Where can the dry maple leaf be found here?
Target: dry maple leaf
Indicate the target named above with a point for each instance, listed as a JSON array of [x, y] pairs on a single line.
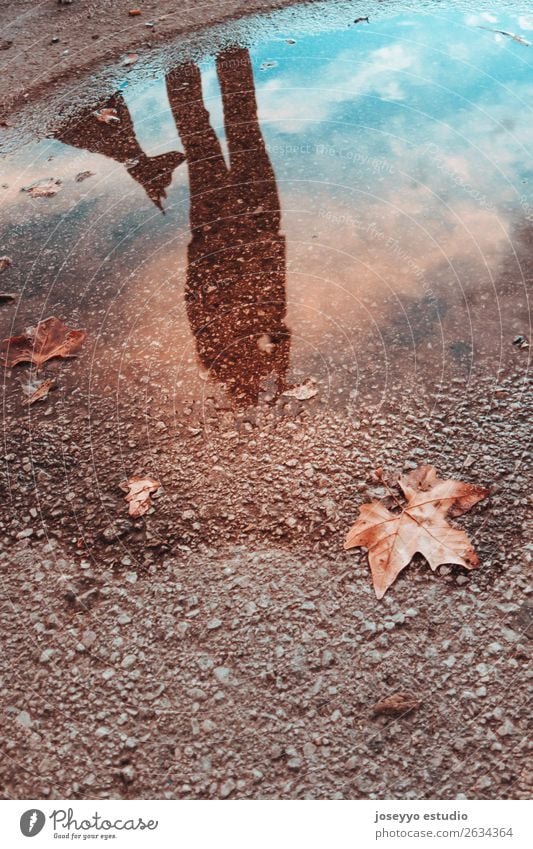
[[107, 116], [38, 391], [46, 188], [139, 491], [51, 338], [130, 59], [393, 539], [303, 392], [396, 704]]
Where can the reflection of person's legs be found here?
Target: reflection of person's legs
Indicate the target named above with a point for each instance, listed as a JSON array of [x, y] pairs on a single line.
[[207, 169], [250, 164]]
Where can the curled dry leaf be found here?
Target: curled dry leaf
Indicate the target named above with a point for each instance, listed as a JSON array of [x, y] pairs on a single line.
[[303, 392], [38, 390], [396, 704], [83, 175], [107, 116], [51, 338], [521, 341], [519, 38], [46, 188], [139, 491], [392, 539], [5, 262]]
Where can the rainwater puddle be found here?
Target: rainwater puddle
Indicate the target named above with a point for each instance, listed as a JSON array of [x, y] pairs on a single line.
[[328, 213]]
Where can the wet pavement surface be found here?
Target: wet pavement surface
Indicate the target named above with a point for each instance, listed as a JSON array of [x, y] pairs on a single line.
[[299, 259]]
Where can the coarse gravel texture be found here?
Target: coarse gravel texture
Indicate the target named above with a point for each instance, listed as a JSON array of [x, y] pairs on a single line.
[[48, 44], [226, 647]]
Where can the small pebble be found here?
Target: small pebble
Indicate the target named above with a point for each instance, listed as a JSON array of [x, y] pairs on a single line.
[[223, 674]]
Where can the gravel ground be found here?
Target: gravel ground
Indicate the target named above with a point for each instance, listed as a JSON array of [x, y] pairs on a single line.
[[51, 43], [227, 646]]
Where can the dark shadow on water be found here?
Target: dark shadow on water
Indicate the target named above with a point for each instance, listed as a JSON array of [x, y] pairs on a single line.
[[235, 288], [117, 141]]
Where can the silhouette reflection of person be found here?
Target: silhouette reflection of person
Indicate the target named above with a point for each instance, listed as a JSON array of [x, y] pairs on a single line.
[[235, 287], [117, 141]]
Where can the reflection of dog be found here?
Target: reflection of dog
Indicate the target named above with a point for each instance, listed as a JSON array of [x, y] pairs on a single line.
[[235, 290], [117, 141]]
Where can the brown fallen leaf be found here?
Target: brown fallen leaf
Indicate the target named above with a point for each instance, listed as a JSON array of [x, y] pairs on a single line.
[[38, 391], [5, 262], [139, 491], [46, 188], [51, 338], [392, 539], [130, 59], [396, 704], [303, 392], [107, 116], [521, 341], [83, 175], [133, 13]]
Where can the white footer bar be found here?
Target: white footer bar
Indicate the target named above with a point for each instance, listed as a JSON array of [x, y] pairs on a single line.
[[269, 824]]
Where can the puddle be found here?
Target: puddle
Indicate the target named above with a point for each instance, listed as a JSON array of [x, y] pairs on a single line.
[[347, 209]]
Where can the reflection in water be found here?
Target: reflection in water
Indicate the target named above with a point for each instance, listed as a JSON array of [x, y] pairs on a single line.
[[402, 192], [117, 141], [235, 288]]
